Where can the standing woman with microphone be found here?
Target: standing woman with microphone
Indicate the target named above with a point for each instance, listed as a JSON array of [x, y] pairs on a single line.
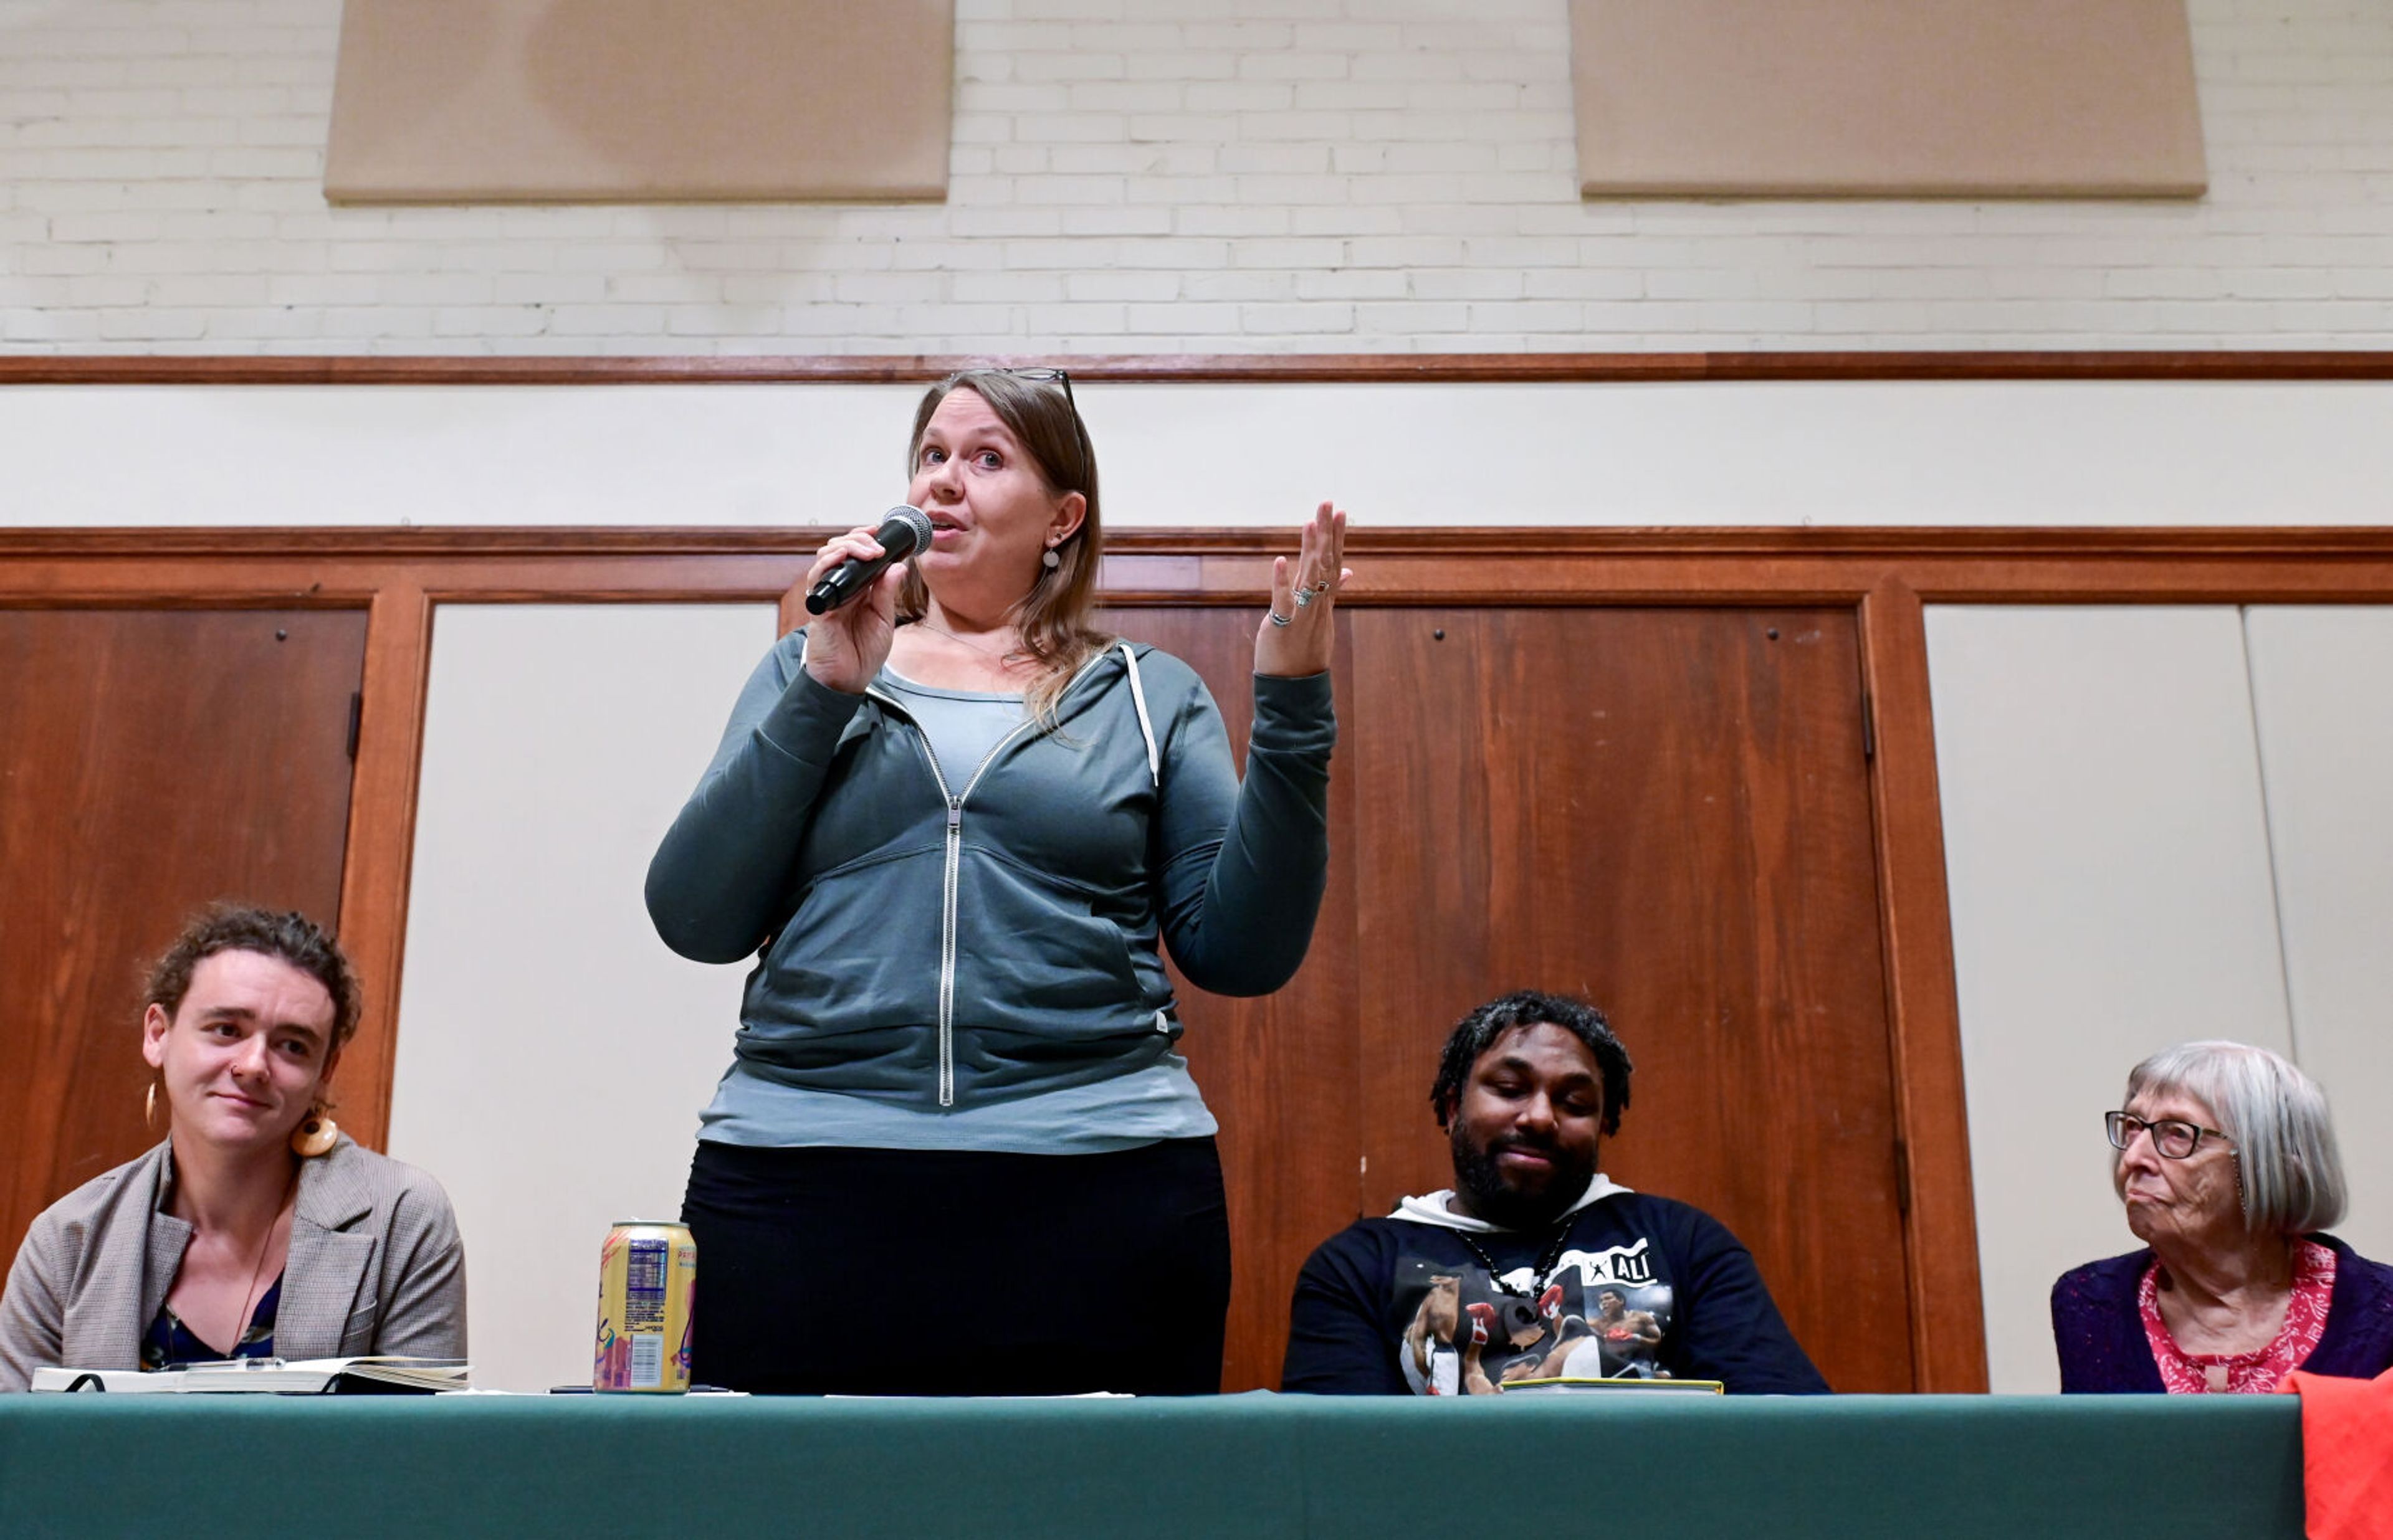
[[956, 1151]]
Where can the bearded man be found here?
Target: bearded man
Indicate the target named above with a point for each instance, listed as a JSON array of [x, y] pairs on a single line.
[[1531, 1238]]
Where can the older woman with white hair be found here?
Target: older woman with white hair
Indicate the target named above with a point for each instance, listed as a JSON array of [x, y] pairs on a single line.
[[2226, 1164]]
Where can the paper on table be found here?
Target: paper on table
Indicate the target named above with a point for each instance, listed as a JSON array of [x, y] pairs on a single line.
[[269, 1376]]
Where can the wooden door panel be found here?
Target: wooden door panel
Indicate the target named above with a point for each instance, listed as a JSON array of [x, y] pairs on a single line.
[[1278, 1072], [1666, 812], [153, 760]]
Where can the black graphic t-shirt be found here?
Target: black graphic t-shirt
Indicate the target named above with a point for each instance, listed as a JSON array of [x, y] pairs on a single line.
[[1638, 1286]]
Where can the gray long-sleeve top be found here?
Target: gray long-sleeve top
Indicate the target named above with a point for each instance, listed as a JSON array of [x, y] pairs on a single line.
[[936, 951]]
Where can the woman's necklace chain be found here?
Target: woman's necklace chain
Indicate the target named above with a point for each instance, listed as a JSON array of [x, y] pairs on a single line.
[[981, 648], [249, 1297]]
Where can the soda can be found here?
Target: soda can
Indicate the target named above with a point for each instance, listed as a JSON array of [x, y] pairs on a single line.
[[647, 1300]]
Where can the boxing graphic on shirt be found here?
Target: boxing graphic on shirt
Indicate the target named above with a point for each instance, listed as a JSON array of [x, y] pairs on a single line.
[[1594, 1316]]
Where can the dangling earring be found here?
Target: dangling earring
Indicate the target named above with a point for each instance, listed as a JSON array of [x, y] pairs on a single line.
[[1051, 560], [150, 1106], [316, 1133]]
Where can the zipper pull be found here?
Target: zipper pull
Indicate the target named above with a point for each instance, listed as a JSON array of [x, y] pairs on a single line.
[[955, 814]]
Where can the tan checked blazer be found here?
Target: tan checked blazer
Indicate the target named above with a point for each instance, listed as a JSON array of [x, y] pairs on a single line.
[[375, 1267]]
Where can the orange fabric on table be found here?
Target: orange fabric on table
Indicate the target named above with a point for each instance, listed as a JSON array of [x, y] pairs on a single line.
[[2346, 1454]]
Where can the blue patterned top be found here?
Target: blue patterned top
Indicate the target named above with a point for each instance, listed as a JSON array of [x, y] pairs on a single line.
[[169, 1344]]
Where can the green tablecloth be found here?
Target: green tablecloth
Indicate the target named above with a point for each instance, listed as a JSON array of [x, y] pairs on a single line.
[[1258, 1465]]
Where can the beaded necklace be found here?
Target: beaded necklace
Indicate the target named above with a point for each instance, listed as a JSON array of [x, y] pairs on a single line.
[[1553, 1254]]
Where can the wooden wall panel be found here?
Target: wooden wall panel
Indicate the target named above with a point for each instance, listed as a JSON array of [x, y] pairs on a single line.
[[1402, 574], [1666, 812], [1278, 1072], [153, 760]]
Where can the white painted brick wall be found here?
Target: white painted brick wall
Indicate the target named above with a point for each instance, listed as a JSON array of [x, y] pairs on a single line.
[[1162, 176]]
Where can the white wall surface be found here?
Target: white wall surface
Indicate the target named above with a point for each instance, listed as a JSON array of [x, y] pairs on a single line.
[[2107, 856], [1162, 176], [2323, 690], [551, 1054], [2046, 453]]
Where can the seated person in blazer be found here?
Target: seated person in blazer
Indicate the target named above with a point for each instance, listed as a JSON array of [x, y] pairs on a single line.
[[257, 1228]]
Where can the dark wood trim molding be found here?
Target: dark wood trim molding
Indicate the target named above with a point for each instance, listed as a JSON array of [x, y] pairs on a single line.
[[1208, 368], [211, 567], [1923, 1000], [2174, 543], [381, 857], [1888, 576]]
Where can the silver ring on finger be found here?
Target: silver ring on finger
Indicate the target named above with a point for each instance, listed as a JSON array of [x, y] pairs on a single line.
[[1279, 619], [1303, 596]]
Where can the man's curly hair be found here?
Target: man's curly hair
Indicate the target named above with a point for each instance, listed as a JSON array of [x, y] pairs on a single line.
[[1478, 1032]]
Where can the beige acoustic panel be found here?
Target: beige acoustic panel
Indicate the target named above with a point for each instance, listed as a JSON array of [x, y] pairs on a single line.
[[1913, 99], [553, 1055], [2323, 693], [640, 101], [2106, 848]]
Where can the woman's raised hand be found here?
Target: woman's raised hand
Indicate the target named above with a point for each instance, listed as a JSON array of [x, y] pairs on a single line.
[[846, 647], [1296, 637]]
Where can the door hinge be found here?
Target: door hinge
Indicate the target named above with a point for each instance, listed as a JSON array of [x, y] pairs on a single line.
[[357, 718]]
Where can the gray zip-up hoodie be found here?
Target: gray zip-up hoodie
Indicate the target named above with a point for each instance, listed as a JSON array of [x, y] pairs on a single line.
[[931, 946]]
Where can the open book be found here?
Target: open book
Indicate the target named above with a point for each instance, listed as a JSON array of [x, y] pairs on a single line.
[[273, 1376]]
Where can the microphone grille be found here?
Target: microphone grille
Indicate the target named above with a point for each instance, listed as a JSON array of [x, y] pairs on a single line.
[[912, 518]]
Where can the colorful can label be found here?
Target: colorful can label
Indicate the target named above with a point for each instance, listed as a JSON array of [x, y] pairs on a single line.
[[647, 1303]]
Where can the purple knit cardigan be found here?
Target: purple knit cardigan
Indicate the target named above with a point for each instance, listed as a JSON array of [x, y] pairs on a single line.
[[2099, 1334]]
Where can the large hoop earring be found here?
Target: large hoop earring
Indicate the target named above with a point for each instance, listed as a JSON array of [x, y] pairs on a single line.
[[316, 1134], [150, 1106]]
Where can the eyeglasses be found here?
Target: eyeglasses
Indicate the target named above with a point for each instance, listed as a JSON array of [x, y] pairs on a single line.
[[2172, 1138], [1050, 376], [1058, 376]]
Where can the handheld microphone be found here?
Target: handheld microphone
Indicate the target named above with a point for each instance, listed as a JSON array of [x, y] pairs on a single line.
[[904, 530]]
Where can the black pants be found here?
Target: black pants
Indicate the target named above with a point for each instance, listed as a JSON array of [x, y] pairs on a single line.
[[960, 1272]]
